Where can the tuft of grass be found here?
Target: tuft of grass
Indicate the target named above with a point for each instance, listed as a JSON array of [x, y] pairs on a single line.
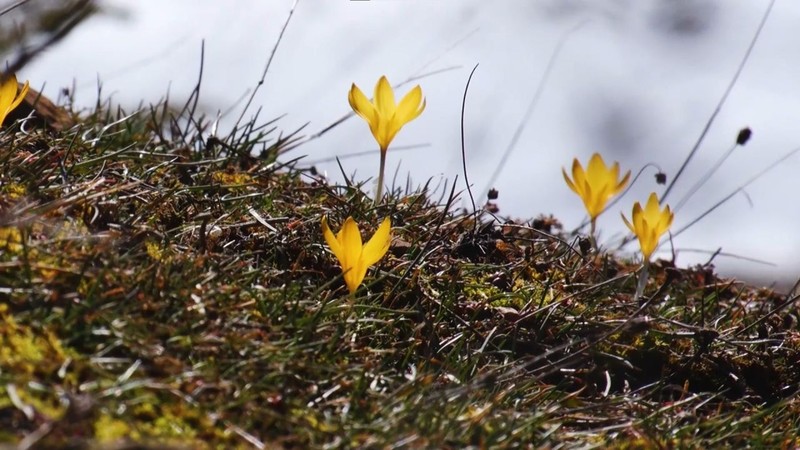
[[164, 286]]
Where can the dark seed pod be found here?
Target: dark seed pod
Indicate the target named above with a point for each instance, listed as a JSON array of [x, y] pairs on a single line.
[[744, 136]]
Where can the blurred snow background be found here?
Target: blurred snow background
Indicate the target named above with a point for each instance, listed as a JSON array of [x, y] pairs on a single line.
[[635, 80]]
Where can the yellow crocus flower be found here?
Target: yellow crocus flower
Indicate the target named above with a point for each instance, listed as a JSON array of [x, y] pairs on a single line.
[[10, 98], [354, 257], [597, 184], [384, 116], [649, 223]]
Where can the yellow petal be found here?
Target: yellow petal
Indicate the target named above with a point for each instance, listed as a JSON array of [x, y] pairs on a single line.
[[384, 99], [409, 108], [569, 182], [354, 276], [638, 219], [589, 198], [613, 180], [378, 245], [651, 210], [9, 98], [621, 185], [578, 177], [350, 239], [596, 172], [615, 172], [361, 105], [21, 96], [670, 216], [333, 243], [648, 242], [630, 227], [665, 221], [383, 133], [598, 201], [8, 89]]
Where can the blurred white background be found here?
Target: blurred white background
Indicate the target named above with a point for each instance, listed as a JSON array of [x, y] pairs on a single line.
[[636, 81]]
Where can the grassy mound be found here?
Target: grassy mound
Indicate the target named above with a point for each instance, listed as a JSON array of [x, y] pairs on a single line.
[[170, 289]]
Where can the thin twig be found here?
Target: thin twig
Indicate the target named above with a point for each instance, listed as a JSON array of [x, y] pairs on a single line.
[[364, 153], [463, 144], [534, 101], [12, 7], [737, 190], [78, 12], [694, 189], [267, 66], [721, 102]]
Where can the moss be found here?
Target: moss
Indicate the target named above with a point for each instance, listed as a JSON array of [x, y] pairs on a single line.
[[44, 404], [154, 251], [232, 178], [27, 350], [14, 191], [11, 239], [108, 429]]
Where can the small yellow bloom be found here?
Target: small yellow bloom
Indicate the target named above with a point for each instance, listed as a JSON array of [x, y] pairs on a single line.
[[354, 257], [384, 116], [597, 184], [649, 224], [9, 97]]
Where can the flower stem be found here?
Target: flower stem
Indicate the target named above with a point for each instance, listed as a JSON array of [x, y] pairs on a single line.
[[379, 191], [592, 239], [642, 282]]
